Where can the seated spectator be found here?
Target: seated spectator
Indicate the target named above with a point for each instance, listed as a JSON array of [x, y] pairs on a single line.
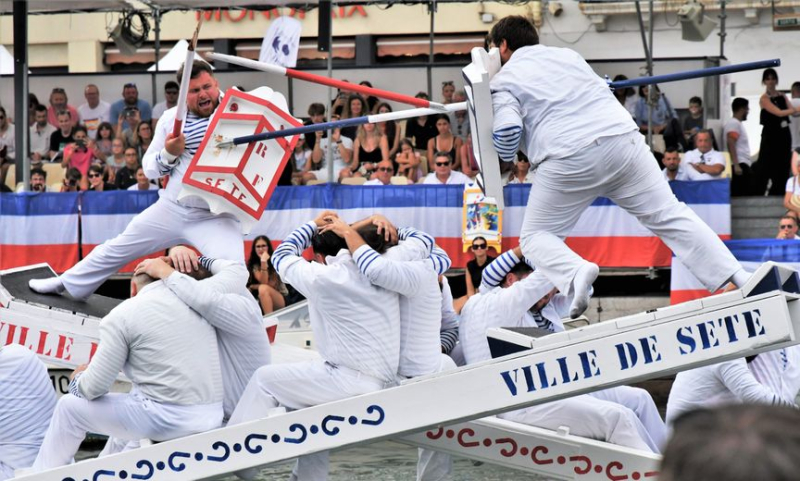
[[264, 283], [475, 267], [127, 122], [300, 161], [39, 180], [337, 106], [143, 137], [94, 112], [126, 175], [626, 96], [459, 120], [342, 154], [675, 170], [390, 129], [316, 115], [787, 229], [408, 161], [142, 182], [356, 106], [104, 141], [738, 146], [155, 336], [522, 173], [171, 90], [369, 148], [421, 129], [444, 141], [448, 90], [58, 104], [372, 100], [129, 102], [665, 120], [704, 158], [469, 164], [80, 154], [27, 400], [33, 102], [39, 138], [117, 158], [694, 122], [734, 443], [72, 180], [96, 181], [7, 142], [61, 137], [383, 174], [443, 172]]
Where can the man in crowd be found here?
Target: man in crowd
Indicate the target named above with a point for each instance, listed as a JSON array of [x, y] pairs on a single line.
[[787, 229], [738, 145], [27, 400], [675, 170], [342, 154], [316, 115], [61, 137], [459, 120], [126, 175], [39, 138], [130, 100], [355, 323], [155, 338], [142, 182], [58, 104], [95, 111], [168, 220], [694, 122], [704, 158], [383, 173], [171, 91], [39, 180], [443, 173], [585, 145]]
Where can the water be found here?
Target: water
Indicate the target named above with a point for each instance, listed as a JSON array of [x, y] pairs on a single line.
[[385, 461]]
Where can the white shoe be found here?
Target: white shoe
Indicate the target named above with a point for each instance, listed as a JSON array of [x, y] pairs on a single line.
[[51, 285], [582, 288]]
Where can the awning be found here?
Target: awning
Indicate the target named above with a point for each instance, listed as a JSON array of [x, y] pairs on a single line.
[[345, 49], [414, 46]]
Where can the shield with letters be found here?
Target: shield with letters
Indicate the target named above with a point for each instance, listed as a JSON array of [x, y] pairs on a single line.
[[239, 180]]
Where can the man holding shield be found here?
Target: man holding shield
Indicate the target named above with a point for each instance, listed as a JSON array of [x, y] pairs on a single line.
[[583, 144], [169, 221]]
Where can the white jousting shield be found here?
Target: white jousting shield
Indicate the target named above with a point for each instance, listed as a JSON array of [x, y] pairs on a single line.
[[239, 180]]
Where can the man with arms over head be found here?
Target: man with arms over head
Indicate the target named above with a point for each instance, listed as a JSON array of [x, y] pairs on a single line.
[[170, 355], [585, 145], [168, 221], [95, 111], [27, 400], [443, 173], [704, 158], [356, 326], [675, 170], [130, 100], [738, 145]]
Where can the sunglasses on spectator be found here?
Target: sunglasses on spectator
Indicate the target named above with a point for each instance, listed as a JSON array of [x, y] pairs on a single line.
[[58, 90], [787, 226], [92, 176], [447, 82], [442, 164], [385, 169], [476, 247], [129, 85]]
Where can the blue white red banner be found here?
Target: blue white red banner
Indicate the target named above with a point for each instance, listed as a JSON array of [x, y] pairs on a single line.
[[605, 234]]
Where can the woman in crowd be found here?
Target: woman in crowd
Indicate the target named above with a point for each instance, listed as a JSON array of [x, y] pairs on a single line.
[[627, 96], [264, 282], [421, 129], [80, 154], [96, 182], [475, 267], [774, 159], [72, 180], [372, 100], [105, 139], [522, 171], [448, 89], [33, 102], [445, 141], [369, 148], [116, 160], [389, 129], [7, 142], [301, 161], [356, 106], [408, 161], [144, 135], [142, 182]]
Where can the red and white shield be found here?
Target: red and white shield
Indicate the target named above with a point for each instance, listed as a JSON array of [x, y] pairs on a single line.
[[239, 180]]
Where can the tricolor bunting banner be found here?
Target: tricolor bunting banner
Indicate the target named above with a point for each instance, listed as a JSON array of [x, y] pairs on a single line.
[[751, 253]]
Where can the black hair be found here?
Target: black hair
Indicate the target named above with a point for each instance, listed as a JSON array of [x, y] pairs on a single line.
[[40, 108], [739, 104], [373, 239], [519, 270], [327, 244], [443, 153], [40, 171], [770, 72], [172, 85], [316, 109], [198, 67], [516, 30], [671, 149], [254, 261], [696, 100]]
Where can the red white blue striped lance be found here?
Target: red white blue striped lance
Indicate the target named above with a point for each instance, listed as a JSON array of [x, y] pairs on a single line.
[[337, 124]]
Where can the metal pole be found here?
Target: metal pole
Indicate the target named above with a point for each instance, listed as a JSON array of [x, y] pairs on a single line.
[[157, 34], [432, 10], [329, 153], [22, 162], [651, 92], [649, 59], [722, 34]]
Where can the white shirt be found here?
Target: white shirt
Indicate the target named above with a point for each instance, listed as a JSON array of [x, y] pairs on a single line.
[[712, 157], [9, 140], [338, 162], [225, 302], [456, 177], [794, 125], [779, 370], [561, 104], [793, 185], [736, 127], [448, 335], [355, 324], [27, 400], [151, 185], [728, 382], [408, 270], [515, 180], [301, 159], [686, 172], [91, 118], [40, 139], [159, 109], [375, 182], [498, 307], [157, 162], [163, 346]]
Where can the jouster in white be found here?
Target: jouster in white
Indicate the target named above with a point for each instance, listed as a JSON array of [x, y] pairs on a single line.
[[27, 400], [779, 370]]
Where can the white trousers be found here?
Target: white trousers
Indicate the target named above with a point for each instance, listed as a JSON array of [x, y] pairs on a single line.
[[124, 416], [622, 169], [641, 403], [590, 418], [6, 472], [162, 225], [433, 465], [298, 386]]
